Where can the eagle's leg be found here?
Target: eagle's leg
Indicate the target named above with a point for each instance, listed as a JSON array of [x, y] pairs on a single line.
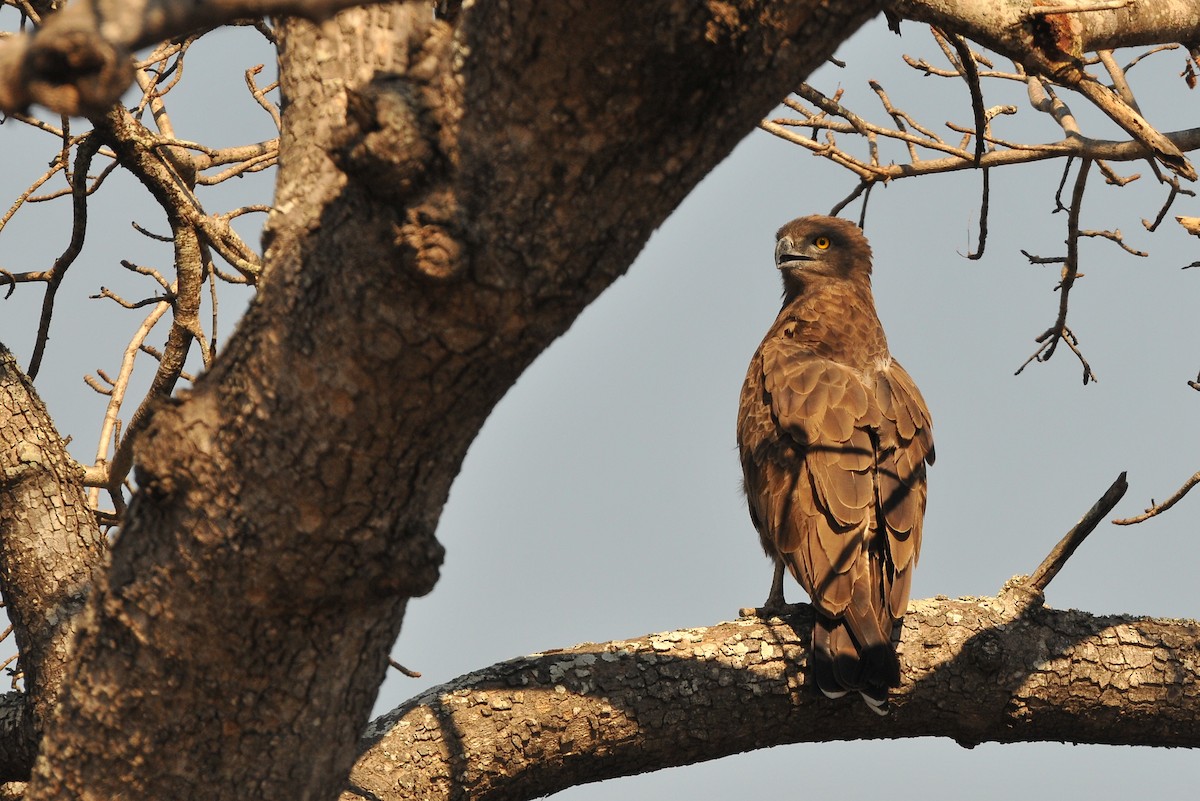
[[775, 602]]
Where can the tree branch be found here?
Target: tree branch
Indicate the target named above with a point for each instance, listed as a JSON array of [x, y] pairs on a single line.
[[1058, 557], [1158, 508], [79, 61], [973, 670], [1053, 44], [1003, 27]]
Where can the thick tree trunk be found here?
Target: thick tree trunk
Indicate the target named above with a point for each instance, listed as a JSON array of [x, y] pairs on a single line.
[[449, 199], [975, 669]]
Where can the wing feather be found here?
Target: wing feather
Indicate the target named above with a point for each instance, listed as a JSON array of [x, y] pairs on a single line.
[[825, 409], [835, 468], [905, 448]]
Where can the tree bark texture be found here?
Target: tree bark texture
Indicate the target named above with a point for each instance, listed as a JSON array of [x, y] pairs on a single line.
[[975, 669], [448, 200], [1019, 31], [50, 545]]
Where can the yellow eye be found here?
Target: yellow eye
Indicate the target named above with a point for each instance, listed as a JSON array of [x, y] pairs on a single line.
[[822, 242]]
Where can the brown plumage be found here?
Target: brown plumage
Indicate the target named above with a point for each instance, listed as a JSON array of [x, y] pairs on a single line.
[[834, 438]]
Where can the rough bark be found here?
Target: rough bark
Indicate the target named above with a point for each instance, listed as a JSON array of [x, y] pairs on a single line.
[[1018, 30], [449, 199], [974, 669], [50, 545]]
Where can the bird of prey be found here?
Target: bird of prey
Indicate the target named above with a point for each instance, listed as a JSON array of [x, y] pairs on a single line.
[[834, 438]]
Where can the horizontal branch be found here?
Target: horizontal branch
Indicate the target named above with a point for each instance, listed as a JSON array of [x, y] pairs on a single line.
[[1158, 508], [1005, 28], [974, 669], [1082, 147], [79, 61]]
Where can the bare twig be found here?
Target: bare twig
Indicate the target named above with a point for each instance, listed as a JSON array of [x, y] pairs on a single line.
[[104, 70], [970, 72], [91, 189], [1054, 562], [1176, 190], [412, 674], [860, 188], [260, 94], [151, 273], [105, 292], [117, 397], [1159, 508], [256, 163], [985, 197], [148, 233], [83, 159], [1115, 236], [1046, 338], [55, 168], [1111, 177], [1070, 266], [833, 117]]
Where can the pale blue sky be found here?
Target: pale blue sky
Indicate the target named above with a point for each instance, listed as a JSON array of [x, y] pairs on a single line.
[[602, 499]]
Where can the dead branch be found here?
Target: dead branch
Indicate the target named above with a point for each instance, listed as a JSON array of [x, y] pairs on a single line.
[[1111, 177], [1158, 508], [185, 327], [1057, 558], [55, 168], [1131, 121], [1007, 152], [100, 36], [1115, 236], [412, 674], [1072, 341], [260, 94], [105, 292], [1070, 271], [83, 159], [101, 478], [1176, 190]]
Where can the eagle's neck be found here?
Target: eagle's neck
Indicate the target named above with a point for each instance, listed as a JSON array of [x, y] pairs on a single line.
[[836, 321]]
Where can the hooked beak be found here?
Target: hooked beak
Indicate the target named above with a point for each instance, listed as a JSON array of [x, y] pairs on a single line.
[[784, 254]]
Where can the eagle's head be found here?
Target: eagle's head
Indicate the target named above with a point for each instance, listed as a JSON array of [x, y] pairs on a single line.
[[818, 249]]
